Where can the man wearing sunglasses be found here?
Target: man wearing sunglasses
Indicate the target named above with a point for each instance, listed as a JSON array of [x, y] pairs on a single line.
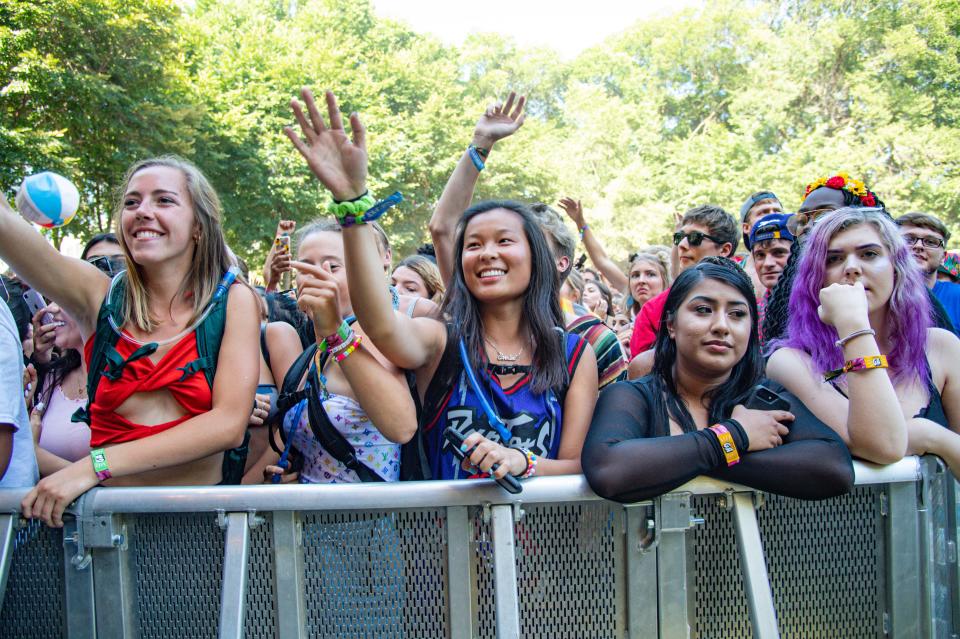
[[926, 237], [704, 231]]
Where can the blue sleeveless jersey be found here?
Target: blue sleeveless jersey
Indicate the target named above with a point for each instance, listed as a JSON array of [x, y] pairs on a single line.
[[534, 420]]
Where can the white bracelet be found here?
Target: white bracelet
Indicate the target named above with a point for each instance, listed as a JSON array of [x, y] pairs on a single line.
[[863, 331]]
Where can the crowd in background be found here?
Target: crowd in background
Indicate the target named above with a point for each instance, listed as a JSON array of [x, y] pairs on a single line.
[[496, 350]]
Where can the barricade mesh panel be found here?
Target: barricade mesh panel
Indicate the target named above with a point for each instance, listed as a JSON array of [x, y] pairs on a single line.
[[939, 511], [33, 604], [260, 619], [825, 561], [177, 565], [375, 574], [567, 558]]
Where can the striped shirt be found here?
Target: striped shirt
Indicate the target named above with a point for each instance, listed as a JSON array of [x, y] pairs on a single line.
[[611, 363]]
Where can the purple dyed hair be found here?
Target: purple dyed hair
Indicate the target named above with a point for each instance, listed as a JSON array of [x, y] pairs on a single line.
[[909, 314]]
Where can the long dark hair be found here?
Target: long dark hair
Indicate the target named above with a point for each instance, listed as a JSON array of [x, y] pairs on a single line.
[[745, 374], [52, 374], [541, 304]]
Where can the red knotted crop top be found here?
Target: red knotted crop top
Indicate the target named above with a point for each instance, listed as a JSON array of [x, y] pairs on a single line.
[[190, 390]]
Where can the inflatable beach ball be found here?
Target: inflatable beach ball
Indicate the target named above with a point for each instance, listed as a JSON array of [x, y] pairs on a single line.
[[48, 199]]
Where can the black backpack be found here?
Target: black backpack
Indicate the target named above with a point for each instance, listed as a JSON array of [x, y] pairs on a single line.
[[413, 464]]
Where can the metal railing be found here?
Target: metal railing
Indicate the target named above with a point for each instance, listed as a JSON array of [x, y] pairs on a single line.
[[466, 559]]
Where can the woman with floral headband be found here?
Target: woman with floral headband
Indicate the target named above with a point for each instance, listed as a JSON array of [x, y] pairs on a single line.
[[821, 196], [861, 350]]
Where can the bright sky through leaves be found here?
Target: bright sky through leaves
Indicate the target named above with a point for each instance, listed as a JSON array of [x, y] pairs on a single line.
[[567, 27]]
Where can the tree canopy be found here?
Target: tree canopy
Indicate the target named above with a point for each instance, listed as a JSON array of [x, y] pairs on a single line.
[[705, 105]]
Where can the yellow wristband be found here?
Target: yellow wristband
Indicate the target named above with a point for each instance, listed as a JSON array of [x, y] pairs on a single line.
[[727, 445]]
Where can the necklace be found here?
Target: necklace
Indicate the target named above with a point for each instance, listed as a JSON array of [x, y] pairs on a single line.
[[501, 357], [514, 369]]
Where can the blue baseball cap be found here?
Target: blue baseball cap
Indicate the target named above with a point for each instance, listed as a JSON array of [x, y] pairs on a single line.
[[753, 199], [771, 227]]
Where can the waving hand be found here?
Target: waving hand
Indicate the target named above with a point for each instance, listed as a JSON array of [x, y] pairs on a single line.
[[339, 162]]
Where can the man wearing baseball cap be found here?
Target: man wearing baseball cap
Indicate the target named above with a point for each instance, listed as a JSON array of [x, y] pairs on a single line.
[[770, 245]]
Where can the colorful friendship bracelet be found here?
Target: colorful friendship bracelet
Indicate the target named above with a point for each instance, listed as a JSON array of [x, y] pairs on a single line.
[[532, 460], [857, 364], [727, 445], [342, 335], [100, 466], [354, 345]]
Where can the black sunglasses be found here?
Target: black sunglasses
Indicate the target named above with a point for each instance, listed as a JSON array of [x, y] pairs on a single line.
[[109, 264], [694, 238]]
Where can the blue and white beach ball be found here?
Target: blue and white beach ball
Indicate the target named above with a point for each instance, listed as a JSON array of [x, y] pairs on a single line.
[[48, 199]]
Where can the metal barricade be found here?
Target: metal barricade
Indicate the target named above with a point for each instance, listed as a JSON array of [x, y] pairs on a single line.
[[466, 559]]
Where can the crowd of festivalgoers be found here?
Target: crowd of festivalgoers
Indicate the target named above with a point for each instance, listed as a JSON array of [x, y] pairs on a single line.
[[492, 351]]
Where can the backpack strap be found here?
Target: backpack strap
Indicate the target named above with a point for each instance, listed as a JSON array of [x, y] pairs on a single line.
[[104, 359], [264, 347], [209, 336]]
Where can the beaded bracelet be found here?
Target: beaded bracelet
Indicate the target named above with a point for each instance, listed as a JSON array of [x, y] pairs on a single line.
[[857, 364], [339, 348], [354, 345], [727, 445], [532, 460], [100, 466]]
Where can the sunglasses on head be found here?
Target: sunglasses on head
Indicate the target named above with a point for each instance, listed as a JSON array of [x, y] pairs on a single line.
[[694, 238], [109, 264]]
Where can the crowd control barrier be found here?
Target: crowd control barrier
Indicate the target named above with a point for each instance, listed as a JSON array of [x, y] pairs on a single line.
[[468, 560]]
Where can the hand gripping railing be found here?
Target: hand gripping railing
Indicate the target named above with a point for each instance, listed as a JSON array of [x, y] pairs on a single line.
[[654, 560]]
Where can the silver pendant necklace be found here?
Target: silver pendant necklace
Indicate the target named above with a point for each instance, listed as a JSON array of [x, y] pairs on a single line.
[[501, 357]]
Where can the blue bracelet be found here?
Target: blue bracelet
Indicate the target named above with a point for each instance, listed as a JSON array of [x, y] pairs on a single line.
[[475, 157], [374, 212]]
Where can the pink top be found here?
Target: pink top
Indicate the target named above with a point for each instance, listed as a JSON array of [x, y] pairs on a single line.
[[58, 435]]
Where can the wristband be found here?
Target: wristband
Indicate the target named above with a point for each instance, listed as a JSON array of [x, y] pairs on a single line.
[[864, 331], [532, 460], [343, 334], [726, 444], [354, 345], [352, 207], [857, 364], [373, 210], [477, 156], [343, 345], [583, 229], [100, 466]]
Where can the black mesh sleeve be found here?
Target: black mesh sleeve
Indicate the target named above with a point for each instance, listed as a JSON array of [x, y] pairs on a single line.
[[624, 462]]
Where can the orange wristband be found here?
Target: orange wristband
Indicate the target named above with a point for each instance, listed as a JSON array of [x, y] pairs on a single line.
[[726, 444]]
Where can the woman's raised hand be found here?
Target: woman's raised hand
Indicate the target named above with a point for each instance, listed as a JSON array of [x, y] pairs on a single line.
[[339, 162], [844, 306], [319, 296], [500, 120], [574, 211], [764, 428]]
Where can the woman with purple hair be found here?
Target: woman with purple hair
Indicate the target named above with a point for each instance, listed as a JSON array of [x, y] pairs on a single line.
[[861, 349]]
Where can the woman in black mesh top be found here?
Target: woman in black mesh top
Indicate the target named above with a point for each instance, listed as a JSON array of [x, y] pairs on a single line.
[[687, 417]]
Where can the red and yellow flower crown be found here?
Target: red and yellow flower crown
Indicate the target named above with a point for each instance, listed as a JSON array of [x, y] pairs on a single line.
[[842, 181]]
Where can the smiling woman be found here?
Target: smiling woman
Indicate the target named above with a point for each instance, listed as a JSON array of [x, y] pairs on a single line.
[[692, 416], [150, 423], [502, 373]]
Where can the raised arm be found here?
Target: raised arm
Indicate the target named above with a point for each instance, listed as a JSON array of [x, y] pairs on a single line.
[[217, 430], [500, 120], [341, 166], [871, 422], [75, 285], [598, 255]]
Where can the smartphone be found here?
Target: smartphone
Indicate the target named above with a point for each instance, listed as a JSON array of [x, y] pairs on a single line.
[[509, 483], [762, 398], [34, 303]]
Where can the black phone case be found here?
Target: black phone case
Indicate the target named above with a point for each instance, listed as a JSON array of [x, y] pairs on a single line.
[[509, 483]]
